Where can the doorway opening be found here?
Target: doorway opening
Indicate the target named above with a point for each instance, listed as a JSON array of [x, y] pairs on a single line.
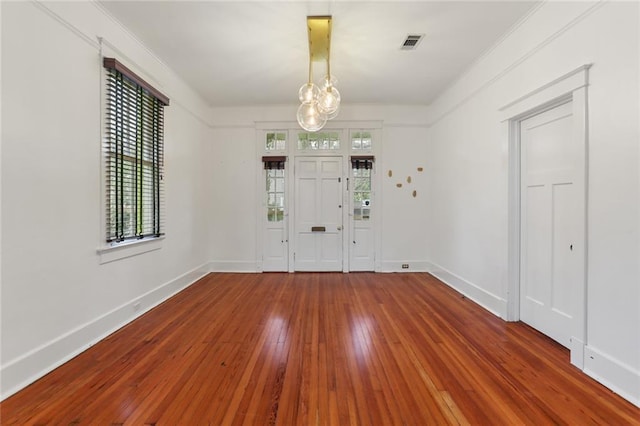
[[317, 208]]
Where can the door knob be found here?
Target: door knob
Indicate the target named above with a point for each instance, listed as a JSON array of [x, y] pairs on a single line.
[[339, 228]]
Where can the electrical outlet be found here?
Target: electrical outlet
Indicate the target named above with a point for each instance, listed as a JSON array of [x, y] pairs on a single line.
[[405, 266]]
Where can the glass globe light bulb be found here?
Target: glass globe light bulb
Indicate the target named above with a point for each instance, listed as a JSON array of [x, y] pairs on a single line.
[[308, 92], [329, 100], [328, 81], [310, 118], [334, 114]]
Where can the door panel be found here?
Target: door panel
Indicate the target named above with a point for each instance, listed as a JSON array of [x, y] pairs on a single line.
[[549, 230], [275, 250], [536, 248], [361, 249], [306, 201], [563, 267], [331, 213], [306, 249], [330, 244], [318, 195]]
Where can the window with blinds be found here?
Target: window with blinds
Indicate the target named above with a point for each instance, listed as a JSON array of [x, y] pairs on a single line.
[[133, 149]]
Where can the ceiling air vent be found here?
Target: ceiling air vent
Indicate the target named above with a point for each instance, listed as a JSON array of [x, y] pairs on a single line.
[[411, 42]]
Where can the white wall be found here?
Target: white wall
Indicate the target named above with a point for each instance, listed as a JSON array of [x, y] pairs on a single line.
[[232, 210], [404, 217], [234, 164], [468, 154], [57, 298]]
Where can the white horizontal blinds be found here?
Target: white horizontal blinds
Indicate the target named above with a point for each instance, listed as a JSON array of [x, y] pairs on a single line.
[[134, 156]]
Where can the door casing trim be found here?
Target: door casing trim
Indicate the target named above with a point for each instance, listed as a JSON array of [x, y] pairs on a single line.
[[571, 87]]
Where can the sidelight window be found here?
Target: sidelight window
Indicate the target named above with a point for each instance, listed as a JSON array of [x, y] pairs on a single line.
[[362, 166], [275, 195], [274, 168]]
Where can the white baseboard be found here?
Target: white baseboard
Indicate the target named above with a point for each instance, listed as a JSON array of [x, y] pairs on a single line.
[[396, 266], [491, 302], [31, 366], [620, 378], [233, 266]]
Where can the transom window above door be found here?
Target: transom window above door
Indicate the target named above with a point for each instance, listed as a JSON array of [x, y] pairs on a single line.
[[329, 141], [275, 141], [361, 141]]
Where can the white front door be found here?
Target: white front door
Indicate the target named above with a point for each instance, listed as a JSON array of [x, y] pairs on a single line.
[[318, 214], [552, 233]]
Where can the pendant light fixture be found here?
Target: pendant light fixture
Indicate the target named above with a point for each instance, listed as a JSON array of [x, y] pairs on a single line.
[[318, 102]]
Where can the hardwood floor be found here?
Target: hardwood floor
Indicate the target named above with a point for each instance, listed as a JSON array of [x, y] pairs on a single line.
[[306, 348]]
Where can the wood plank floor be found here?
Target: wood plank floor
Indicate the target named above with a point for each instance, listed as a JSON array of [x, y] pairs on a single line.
[[327, 349]]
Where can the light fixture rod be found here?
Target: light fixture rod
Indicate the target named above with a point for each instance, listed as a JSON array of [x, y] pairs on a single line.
[[318, 103]]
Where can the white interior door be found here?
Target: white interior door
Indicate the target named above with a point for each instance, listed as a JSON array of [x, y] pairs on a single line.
[[551, 229], [318, 214]]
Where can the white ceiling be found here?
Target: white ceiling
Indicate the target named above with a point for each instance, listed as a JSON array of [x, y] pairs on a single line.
[[256, 53]]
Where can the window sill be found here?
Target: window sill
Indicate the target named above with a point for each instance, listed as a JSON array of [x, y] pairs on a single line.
[[119, 251]]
